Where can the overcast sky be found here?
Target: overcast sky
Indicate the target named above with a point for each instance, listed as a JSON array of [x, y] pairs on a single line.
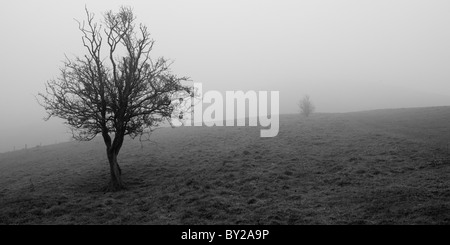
[[348, 55]]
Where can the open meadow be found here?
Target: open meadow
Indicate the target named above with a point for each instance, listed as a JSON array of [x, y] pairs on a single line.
[[374, 167]]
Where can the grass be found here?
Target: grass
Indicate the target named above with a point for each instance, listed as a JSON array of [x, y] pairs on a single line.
[[375, 167]]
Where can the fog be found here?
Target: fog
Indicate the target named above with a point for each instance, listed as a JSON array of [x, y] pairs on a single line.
[[347, 55]]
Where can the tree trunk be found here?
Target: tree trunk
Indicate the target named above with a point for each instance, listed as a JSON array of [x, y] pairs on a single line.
[[116, 183]]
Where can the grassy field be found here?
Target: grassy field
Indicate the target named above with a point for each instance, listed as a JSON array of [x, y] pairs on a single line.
[[375, 167]]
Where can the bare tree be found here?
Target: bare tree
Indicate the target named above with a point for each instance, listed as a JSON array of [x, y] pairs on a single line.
[[122, 93], [306, 106]]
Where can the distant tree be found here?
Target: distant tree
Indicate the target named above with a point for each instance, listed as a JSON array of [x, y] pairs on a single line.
[[122, 93], [306, 106]]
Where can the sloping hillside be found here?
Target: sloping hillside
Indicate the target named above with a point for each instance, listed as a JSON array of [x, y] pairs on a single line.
[[374, 167]]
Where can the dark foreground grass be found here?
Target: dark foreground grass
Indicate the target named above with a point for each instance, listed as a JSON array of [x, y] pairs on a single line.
[[378, 167]]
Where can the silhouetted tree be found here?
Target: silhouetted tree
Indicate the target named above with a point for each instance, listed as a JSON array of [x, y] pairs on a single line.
[[122, 93], [306, 106]]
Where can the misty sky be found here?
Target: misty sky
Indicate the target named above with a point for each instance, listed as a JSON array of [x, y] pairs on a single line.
[[347, 55]]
